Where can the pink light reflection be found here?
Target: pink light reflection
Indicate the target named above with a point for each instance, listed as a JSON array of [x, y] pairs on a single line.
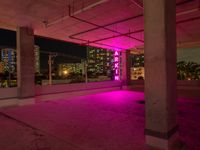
[[116, 65]]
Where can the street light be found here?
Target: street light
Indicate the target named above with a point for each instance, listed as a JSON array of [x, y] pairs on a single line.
[[65, 72]]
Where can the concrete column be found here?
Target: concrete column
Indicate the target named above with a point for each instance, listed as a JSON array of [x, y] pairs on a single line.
[[126, 67], [25, 62], [160, 74]]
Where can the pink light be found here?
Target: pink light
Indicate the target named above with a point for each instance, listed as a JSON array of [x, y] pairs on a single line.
[[116, 77], [116, 71], [116, 59], [116, 65], [116, 53]]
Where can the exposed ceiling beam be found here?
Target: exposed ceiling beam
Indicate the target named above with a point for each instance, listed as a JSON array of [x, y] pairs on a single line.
[[187, 11], [138, 3], [109, 24], [117, 36], [188, 44], [184, 2], [47, 23]]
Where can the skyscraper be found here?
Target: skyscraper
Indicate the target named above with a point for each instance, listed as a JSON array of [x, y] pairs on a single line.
[[37, 58], [99, 60], [8, 58], [1, 67], [137, 69], [67, 68]]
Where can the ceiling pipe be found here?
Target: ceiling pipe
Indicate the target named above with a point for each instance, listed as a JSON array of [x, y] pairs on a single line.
[[48, 24], [86, 43], [188, 20], [142, 30], [110, 24], [138, 3], [72, 36], [188, 44], [112, 37], [115, 47], [187, 12], [138, 31], [135, 17], [184, 2], [85, 21]]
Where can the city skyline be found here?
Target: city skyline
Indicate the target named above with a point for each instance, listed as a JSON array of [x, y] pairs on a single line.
[[45, 44]]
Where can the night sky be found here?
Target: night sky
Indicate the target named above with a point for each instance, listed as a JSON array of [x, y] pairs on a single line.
[[8, 39]]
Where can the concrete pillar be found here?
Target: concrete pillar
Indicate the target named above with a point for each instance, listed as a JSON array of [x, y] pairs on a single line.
[[25, 62], [160, 74], [126, 67]]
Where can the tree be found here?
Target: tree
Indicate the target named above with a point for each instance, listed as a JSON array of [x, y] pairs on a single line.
[[188, 71]]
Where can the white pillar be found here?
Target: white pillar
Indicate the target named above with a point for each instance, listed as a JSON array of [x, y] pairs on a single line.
[[160, 74], [25, 62]]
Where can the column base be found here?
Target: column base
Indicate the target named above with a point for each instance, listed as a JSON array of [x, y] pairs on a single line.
[[8, 102], [159, 143], [13, 102]]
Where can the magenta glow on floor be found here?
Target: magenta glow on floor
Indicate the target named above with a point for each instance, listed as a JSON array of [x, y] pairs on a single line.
[[105, 121]]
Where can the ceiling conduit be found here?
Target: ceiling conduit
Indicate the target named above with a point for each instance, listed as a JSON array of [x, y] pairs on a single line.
[[48, 24], [178, 22], [106, 25], [111, 46], [127, 19], [116, 36], [85, 21], [138, 3]]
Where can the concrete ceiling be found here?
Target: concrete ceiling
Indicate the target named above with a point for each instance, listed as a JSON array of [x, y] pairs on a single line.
[[112, 24]]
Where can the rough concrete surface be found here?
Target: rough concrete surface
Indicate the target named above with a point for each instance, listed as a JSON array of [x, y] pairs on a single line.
[[105, 121]]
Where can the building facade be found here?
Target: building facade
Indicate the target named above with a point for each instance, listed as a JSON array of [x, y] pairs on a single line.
[[1, 67], [137, 69], [100, 61], [67, 68], [8, 61], [37, 58]]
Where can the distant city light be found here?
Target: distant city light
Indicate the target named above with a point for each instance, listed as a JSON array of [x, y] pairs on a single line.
[[65, 72]]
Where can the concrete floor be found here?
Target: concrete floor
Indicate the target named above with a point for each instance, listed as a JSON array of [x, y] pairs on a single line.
[[105, 121]]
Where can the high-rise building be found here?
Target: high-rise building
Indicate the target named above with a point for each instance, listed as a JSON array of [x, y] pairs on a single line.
[[1, 67], [137, 69], [100, 61], [8, 58], [138, 60], [37, 58], [67, 68]]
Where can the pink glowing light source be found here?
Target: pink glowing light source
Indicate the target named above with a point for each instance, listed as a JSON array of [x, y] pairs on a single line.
[[116, 53], [116, 59], [116, 77], [116, 66]]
